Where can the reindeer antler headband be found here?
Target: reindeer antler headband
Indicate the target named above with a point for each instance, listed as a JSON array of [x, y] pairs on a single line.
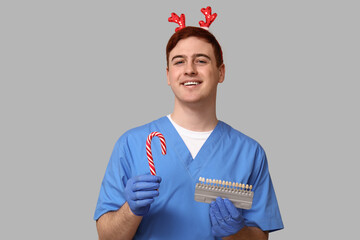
[[181, 20]]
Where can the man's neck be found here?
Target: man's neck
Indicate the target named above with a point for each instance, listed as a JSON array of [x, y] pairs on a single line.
[[195, 118]]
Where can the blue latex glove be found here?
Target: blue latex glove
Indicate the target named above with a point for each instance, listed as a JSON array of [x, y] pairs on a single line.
[[140, 192], [225, 218]]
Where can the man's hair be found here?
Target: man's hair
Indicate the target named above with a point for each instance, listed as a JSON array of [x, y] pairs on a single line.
[[199, 33]]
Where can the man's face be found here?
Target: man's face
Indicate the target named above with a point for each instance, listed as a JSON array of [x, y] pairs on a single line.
[[192, 73]]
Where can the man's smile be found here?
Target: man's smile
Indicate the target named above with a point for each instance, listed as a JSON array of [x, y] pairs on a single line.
[[191, 83]]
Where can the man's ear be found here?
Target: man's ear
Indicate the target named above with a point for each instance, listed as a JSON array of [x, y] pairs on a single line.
[[167, 75], [222, 73]]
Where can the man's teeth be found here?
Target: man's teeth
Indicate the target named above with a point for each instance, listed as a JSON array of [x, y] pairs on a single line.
[[191, 83]]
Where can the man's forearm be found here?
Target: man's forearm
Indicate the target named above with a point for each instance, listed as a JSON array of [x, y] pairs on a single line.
[[249, 233], [120, 224]]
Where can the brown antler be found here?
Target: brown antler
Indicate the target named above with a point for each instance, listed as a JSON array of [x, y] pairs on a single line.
[[208, 16], [179, 20]]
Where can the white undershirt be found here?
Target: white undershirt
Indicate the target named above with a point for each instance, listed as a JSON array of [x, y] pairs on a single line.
[[193, 140]]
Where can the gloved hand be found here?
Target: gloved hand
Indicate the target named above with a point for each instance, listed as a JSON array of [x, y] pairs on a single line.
[[140, 192], [225, 218]]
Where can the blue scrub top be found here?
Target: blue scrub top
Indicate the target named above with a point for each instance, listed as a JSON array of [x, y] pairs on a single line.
[[227, 155]]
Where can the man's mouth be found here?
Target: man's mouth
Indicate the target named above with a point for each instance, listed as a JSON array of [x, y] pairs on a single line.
[[191, 83]]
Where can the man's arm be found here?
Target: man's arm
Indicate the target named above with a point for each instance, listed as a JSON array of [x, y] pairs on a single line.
[[249, 233], [228, 223], [140, 192], [120, 224]]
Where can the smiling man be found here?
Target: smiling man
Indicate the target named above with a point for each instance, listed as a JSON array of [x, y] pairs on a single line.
[[135, 205], [193, 75]]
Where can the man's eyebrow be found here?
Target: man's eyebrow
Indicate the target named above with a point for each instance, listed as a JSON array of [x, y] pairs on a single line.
[[177, 56], [194, 56], [202, 55]]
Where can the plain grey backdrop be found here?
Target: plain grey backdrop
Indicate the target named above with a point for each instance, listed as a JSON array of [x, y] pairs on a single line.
[[76, 74]]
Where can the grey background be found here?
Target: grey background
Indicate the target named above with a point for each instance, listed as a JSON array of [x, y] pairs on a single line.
[[76, 74]]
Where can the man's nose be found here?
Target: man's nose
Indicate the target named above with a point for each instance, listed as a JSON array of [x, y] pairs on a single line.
[[190, 69]]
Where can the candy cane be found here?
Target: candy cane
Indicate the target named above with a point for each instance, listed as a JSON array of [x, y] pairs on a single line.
[[148, 149]]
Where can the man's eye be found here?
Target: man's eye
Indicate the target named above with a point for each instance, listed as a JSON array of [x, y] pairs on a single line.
[[178, 62], [201, 61]]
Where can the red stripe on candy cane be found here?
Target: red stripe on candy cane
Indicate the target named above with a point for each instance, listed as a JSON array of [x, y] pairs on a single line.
[[148, 149]]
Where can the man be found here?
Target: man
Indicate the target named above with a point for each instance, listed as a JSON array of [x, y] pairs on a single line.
[[135, 205]]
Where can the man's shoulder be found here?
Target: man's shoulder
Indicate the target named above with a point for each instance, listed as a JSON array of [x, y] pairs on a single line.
[[141, 132], [235, 135]]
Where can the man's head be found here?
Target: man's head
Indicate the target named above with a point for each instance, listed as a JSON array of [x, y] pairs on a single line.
[[199, 33], [195, 67]]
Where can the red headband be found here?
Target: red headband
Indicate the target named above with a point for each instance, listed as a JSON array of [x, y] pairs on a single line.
[[181, 20]]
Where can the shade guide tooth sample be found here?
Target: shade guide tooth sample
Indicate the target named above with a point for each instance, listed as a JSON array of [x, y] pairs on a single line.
[[240, 194]]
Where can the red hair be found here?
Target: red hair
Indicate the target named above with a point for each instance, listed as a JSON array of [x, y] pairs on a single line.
[[199, 33]]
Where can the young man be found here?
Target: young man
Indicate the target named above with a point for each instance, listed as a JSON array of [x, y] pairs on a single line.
[[135, 205]]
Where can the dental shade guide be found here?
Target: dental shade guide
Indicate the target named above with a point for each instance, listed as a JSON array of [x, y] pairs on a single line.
[[241, 195]]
